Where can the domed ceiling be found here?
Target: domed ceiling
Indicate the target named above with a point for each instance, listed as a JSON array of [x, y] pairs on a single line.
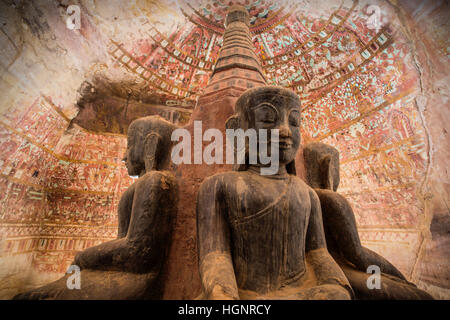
[[361, 69]]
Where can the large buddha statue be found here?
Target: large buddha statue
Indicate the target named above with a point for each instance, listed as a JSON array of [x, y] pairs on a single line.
[[261, 236], [128, 267], [322, 169]]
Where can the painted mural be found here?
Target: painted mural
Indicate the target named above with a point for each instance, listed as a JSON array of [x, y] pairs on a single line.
[[359, 84]]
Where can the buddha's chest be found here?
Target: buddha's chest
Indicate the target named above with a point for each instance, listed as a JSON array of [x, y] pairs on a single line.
[[268, 230], [269, 203]]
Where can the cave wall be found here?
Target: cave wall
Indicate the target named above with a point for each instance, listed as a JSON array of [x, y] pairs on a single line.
[[426, 26], [59, 183]]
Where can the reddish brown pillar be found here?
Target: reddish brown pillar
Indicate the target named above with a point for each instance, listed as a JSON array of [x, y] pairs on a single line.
[[237, 69]]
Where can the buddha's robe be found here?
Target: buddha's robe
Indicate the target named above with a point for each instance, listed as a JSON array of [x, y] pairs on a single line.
[[264, 228]]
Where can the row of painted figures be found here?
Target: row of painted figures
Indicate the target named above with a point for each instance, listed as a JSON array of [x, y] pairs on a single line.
[[259, 237]]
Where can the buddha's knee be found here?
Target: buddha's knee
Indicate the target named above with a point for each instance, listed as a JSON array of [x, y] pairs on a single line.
[[101, 255], [325, 292]]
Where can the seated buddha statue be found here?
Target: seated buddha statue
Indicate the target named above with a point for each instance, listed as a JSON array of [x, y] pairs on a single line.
[[260, 236], [128, 267], [322, 171]]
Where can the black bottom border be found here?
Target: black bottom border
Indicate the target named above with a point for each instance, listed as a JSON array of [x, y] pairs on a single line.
[[187, 309]]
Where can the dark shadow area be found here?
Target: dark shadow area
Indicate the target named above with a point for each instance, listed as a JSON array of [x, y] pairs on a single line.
[[109, 107]]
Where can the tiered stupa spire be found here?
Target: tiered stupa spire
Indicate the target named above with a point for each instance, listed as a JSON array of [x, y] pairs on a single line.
[[237, 65], [237, 69]]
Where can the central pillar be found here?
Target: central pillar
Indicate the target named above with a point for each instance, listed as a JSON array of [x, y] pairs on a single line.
[[237, 69]]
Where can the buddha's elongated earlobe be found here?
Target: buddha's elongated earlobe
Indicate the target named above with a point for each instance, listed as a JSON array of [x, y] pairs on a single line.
[[151, 146], [290, 168], [234, 123], [334, 172]]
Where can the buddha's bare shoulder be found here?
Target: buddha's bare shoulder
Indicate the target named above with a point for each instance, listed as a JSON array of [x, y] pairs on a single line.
[[225, 176], [239, 180], [221, 181], [333, 199], [156, 179], [298, 182]]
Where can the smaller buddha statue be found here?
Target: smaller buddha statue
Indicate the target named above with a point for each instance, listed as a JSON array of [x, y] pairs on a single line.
[[322, 173], [129, 267], [260, 236]]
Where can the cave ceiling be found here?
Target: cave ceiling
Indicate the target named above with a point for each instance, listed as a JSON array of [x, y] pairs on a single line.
[[310, 47]]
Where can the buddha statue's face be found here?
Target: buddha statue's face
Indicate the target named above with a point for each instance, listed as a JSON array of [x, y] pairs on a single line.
[[282, 112], [322, 166], [329, 173], [134, 154]]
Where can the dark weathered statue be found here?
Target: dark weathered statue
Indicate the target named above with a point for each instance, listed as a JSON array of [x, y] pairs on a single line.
[[261, 236], [322, 169], [128, 267]]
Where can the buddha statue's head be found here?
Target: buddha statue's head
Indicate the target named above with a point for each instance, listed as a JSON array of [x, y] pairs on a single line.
[[148, 145], [322, 166], [270, 108]]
